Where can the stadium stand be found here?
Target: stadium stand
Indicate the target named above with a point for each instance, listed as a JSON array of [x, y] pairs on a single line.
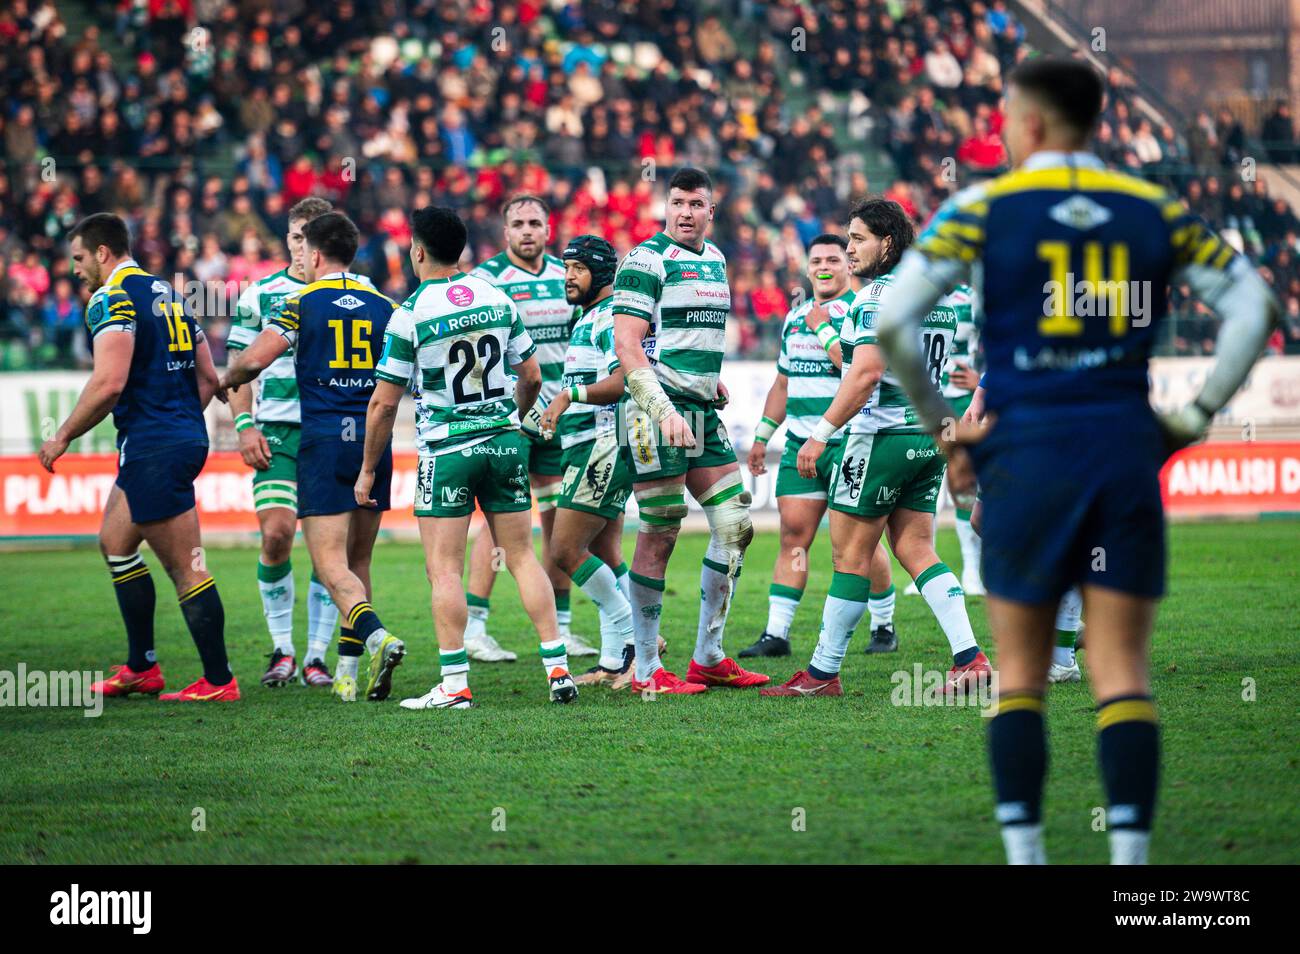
[[203, 121]]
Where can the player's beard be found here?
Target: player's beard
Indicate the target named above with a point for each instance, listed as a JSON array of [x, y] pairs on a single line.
[[529, 260], [873, 269]]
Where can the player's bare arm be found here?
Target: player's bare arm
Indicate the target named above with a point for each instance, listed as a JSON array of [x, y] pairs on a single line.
[[818, 317], [209, 381], [255, 359], [380, 415], [528, 384], [855, 390], [643, 385], [112, 356], [253, 447], [605, 391], [773, 417]]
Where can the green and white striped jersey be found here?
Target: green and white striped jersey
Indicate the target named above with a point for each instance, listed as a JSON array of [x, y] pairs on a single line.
[[590, 359], [457, 339], [539, 299], [966, 342], [278, 385], [888, 410], [259, 303], [684, 296], [812, 378]]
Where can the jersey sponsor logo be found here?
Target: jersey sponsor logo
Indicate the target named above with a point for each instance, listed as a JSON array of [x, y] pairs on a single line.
[[460, 295], [1080, 212], [522, 296], [887, 495], [455, 496], [350, 302], [913, 453], [685, 274]]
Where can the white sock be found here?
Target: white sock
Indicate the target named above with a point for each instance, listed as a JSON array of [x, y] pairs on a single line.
[[647, 604], [476, 623], [1129, 846], [971, 547], [1068, 616], [275, 583], [322, 616], [564, 622], [941, 590], [347, 666], [624, 581], [554, 657], [782, 601], [455, 669], [715, 602], [601, 587], [1024, 844], [845, 606], [881, 606]]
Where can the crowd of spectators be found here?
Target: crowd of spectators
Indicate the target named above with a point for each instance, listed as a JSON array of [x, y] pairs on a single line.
[[203, 121]]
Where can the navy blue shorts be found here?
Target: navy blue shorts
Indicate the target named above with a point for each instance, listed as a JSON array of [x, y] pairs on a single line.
[[159, 483], [1074, 505], [328, 471]]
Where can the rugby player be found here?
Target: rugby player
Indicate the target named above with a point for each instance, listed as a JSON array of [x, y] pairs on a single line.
[[1075, 263], [335, 326], [153, 370]]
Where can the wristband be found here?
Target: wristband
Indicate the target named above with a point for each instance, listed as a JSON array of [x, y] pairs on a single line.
[[1209, 415], [243, 422], [824, 431], [827, 335], [765, 429], [578, 393]]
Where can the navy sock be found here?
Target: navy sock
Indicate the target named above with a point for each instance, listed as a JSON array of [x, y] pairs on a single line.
[[206, 618], [1128, 750], [136, 599], [1018, 758], [349, 645], [364, 620], [818, 674], [965, 656]]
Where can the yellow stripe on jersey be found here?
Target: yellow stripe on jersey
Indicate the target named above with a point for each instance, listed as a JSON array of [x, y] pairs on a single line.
[[128, 272], [1074, 179], [339, 284]]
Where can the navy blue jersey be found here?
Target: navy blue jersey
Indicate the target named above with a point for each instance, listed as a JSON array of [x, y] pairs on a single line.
[[336, 329], [1072, 263], [160, 404]]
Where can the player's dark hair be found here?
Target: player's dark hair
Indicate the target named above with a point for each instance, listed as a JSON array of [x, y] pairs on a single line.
[[312, 207], [103, 228], [523, 199], [690, 179], [885, 218], [830, 238], [1070, 87], [334, 236], [440, 232]]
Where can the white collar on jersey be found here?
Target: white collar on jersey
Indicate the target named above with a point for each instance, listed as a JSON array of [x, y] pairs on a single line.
[[352, 276], [125, 263], [1052, 159]]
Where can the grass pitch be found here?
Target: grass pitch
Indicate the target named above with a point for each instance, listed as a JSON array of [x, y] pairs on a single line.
[[292, 775]]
